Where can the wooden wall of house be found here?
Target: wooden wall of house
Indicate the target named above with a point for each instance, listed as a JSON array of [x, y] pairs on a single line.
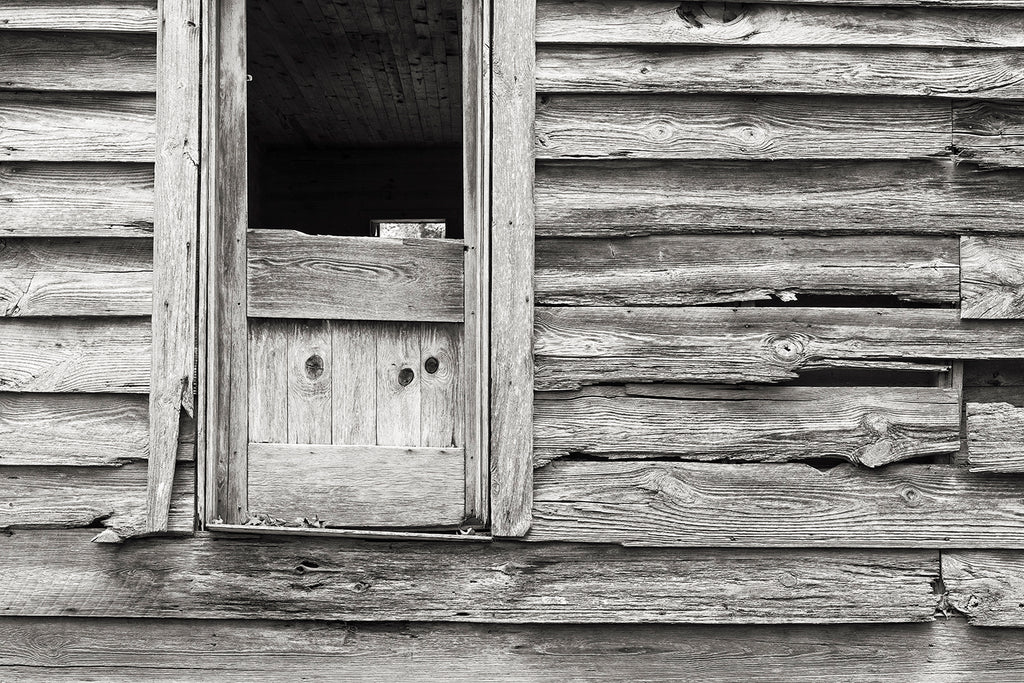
[[77, 149]]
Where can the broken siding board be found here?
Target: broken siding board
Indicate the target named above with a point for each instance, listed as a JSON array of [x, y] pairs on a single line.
[[374, 486], [578, 346], [696, 23], [629, 198], [735, 127], [989, 133], [442, 396], [293, 275], [494, 582], [108, 16], [354, 388], [268, 380], [77, 127], [995, 437], [76, 200], [956, 73], [66, 497], [69, 355], [399, 379], [104, 62], [309, 382], [869, 426], [992, 278], [688, 270], [985, 586]]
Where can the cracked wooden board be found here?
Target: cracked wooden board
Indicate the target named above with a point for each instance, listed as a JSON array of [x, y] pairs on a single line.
[[986, 586], [995, 437], [992, 278]]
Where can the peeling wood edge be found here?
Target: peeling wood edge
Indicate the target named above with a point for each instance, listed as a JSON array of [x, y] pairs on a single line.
[[370, 534]]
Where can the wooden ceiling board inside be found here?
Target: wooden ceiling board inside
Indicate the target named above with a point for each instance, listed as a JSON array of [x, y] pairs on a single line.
[[355, 73]]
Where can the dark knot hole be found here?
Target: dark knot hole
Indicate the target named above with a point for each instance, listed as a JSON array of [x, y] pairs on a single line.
[[406, 376]]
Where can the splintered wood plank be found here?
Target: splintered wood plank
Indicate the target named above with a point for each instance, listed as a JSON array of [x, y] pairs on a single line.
[[106, 62], [712, 269], [354, 388], [985, 586], [68, 355], [577, 346], [995, 437], [777, 505], [268, 380], [294, 275], [110, 497], [609, 199], [375, 486], [77, 127], [989, 133], [958, 73], [442, 398], [399, 378], [735, 127], [992, 278], [108, 16], [220, 577], [309, 382], [697, 23], [869, 426]]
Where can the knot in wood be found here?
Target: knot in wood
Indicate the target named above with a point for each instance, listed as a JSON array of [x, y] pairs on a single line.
[[431, 365], [911, 496], [788, 348], [314, 367], [658, 131], [406, 376]]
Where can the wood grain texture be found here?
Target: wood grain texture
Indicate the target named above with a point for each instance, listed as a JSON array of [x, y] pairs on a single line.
[[54, 649], [958, 4], [623, 198], [399, 378], [109, 16], [577, 346], [354, 383], [711, 23], [496, 582], [739, 127], [955, 73], [77, 127], [715, 269], [113, 498], [985, 586], [992, 278], [513, 96], [69, 355], [309, 383], [995, 437], [441, 370], [775, 505], [269, 359], [989, 133], [358, 486], [104, 62], [869, 426], [293, 275]]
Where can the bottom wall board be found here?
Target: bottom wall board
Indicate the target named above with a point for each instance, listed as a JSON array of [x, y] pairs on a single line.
[[147, 649]]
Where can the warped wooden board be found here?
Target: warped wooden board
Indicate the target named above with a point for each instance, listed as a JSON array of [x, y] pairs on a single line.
[[77, 127], [496, 582], [622, 198], [577, 346], [985, 586], [776, 505], [70, 355], [956, 73], [992, 278], [55, 649], [870, 426], [709, 23], [995, 437], [357, 486], [72, 200], [111, 62], [989, 133], [108, 16], [294, 275], [715, 269], [111, 497], [736, 127]]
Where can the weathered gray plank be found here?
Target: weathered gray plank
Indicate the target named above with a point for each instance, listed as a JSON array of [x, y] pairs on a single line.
[[992, 278], [959, 4], [442, 387], [871, 426], [354, 388], [712, 269], [499, 582], [293, 275], [607, 199], [346, 486], [77, 127], [985, 586], [105, 62], [131, 16], [310, 373], [577, 346], [739, 127], [711, 23], [957, 73], [995, 437], [399, 378], [989, 133], [776, 505], [66, 200]]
